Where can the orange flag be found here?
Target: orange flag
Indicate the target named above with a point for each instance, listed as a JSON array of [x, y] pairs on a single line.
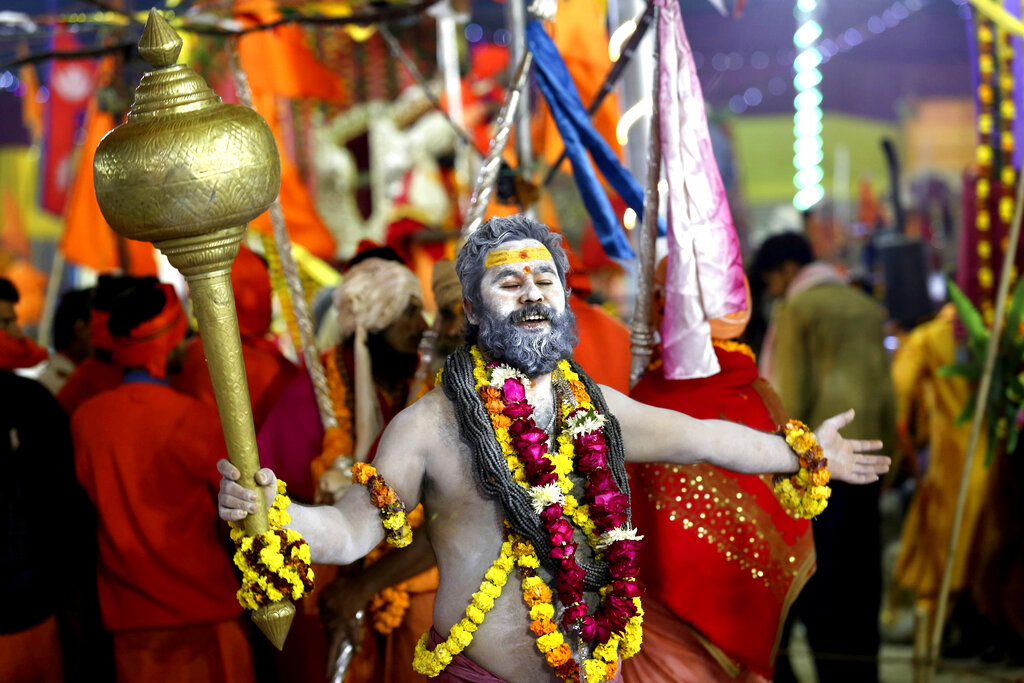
[[278, 63], [305, 226], [582, 40], [88, 240]]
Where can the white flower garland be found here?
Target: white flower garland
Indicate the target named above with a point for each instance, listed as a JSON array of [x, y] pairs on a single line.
[[543, 496], [619, 534]]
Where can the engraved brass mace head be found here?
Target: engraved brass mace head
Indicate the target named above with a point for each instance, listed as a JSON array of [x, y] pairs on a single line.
[[184, 164]]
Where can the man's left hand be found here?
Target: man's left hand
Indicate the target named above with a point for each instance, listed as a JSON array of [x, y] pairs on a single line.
[[850, 460]]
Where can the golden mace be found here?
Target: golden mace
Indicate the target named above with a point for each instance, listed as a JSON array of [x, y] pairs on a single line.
[[187, 172]]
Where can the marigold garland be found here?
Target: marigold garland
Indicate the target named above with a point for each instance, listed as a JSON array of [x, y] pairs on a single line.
[[581, 444], [275, 564], [735, 347], [806, 492], [397, 531], [337, 441], [432, 662], [388, 607]]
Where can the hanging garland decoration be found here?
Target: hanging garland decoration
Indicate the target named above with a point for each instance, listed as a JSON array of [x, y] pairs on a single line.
[[280, 288], [603, 517], [337, 440], [1007, 142], [985, 159], [432, 662]]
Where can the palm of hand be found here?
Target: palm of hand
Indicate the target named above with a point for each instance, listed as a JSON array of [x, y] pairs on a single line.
[[848, 459]]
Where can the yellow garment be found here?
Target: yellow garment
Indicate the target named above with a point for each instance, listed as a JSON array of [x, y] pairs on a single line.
[[920, 391]]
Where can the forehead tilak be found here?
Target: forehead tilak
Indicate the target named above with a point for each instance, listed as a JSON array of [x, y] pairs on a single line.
[[501, 257]]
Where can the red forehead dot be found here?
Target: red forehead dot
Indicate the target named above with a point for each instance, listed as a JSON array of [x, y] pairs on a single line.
[[523, 254], [526, 269]]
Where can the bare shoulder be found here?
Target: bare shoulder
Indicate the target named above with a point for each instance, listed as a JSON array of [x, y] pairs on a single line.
[[619, 405], [429, 423]]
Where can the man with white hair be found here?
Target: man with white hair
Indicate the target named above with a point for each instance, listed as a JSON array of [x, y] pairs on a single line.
[[380, 320], [518, 459]]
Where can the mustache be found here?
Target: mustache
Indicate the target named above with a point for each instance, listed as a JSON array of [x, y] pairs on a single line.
[[530, 311]]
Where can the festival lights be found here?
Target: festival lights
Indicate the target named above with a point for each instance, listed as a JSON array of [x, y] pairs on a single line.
[[632, 115], [618, 38], [808, 151]]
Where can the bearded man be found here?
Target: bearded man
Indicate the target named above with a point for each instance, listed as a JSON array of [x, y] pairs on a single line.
[[519, 461]]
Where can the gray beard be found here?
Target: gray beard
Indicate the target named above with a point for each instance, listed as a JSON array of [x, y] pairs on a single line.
[[532, 353]]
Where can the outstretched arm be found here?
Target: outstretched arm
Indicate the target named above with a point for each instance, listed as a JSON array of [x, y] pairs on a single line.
[[658, 435], [349, 529]]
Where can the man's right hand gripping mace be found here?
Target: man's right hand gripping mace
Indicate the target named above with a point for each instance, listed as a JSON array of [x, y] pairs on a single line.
[[187, 172]]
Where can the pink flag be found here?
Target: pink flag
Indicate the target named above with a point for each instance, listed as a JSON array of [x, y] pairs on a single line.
[[705, 269]]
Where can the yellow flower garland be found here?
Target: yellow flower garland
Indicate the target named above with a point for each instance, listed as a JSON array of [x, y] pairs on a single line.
[[563, 460], [604, 663], [537, 595], [275, 564], [397, 531], [805, 493], [735, 347], [432, 662]]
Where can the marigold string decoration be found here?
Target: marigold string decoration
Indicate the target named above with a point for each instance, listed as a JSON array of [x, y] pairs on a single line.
[[275, 564], [397, 531], [806, 492]]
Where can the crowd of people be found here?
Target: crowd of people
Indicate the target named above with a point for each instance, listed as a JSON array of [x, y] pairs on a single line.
[[138, 585]]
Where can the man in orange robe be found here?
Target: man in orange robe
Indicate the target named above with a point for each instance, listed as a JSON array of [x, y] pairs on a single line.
[[97, 373], [603, 348], [267, 371], [144, 454], [723, 560]]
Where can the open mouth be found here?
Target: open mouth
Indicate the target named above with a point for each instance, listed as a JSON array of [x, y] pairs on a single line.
[[533, 320]]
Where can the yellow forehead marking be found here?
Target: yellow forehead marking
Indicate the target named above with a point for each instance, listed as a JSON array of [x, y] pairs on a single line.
[[503, 256]]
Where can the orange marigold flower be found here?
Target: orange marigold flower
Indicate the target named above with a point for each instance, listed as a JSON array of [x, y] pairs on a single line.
[[804, 443], [501, 421], [490, 393], [538, 595], [361, 472], [560, 655], [384, 495], [579, 391], [541, 628]]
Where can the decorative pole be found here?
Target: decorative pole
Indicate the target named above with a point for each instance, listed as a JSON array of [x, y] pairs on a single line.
[[187, 172], [487, 176], [515, 13], [980, 402], [641, 335]]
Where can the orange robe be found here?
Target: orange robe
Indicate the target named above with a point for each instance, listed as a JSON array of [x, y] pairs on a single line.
[[267, 373], [32, 655], [603, 350], [146, 456], [91, 377]]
